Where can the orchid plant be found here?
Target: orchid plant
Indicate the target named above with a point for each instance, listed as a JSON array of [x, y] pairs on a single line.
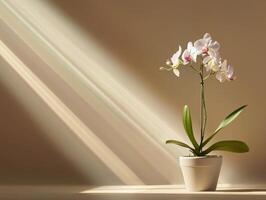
[[204, 59]]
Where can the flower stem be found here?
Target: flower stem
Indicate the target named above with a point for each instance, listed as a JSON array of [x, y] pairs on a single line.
[[203, 110]]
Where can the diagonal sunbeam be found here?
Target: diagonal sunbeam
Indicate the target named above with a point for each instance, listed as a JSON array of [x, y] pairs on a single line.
[[105, 154]]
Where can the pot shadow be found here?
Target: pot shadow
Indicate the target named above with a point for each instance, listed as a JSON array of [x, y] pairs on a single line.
[[242, 190]]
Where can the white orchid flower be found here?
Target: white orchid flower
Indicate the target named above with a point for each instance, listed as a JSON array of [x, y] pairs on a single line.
[[175, 58], [212, 62], [226, 72], [190, 54], [211, 59], [212, 65], [174, 62], [206, 44]]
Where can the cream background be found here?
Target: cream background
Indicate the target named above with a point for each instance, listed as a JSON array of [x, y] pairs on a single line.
[[140, 35]]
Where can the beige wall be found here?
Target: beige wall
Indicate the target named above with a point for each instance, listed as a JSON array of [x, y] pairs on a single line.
[[141, 35], [37, 148]]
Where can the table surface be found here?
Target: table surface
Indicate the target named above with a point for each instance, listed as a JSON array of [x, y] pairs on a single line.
[[152, 192]]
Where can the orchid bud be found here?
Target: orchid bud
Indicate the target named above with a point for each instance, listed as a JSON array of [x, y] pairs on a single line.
[[168, 62]]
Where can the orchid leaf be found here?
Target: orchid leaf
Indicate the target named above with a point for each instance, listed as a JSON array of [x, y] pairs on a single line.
[[228, 145], [182, 144], [231, 117], [187, 122]]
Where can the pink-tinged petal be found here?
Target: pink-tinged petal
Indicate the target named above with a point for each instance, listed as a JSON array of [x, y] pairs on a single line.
[[230, 73], [185, 53], [200, 45], [185, 62], [230, 70], [232, 78], [193, 53], [176, 72], [185, 57]]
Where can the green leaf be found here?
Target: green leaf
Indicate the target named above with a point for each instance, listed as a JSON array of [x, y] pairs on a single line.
[[228, 145], [182, 144], [187, 122], [231, 117]]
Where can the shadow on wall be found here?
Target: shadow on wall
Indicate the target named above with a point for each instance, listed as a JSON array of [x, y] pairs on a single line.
[[143, 34]]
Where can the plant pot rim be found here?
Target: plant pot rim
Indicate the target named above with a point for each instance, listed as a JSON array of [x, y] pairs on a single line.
[[200, 157]]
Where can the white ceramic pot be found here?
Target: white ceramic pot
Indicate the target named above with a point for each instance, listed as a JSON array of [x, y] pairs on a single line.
[[201, 173]]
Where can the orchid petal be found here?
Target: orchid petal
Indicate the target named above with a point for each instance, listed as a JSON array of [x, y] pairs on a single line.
[[212, 53], [230, 73], [212, 64], [175, 58], [199, 45], [194, 56], [223, 66], [179, 51], [185, 53], [230, 70], [220, 77], [184, 56], [189, 45], [193, 50], [176, 72], [215, 55], [207, 37], [215, 45]]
